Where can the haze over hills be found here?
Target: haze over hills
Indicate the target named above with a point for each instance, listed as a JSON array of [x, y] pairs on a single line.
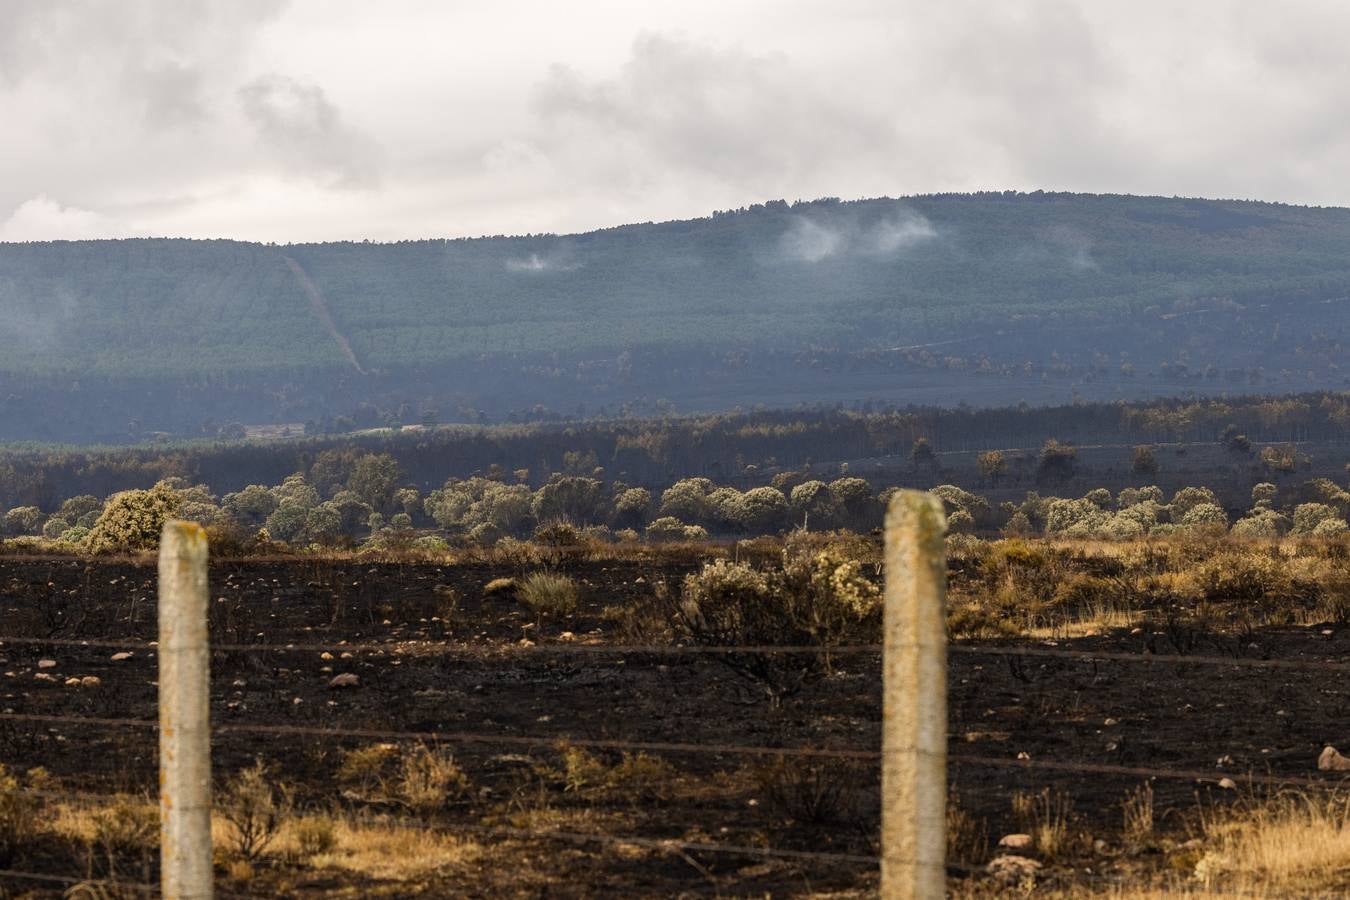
[[988, 298]]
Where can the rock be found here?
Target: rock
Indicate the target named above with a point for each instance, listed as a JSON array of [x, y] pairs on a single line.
[[345, 680], [121, 657], [325, 655], [1332, 761], [46, 664], [1228, 784], [90, 681], [43, 676], [1016, 842], [567, 636], [1013, 870], [72, 682]]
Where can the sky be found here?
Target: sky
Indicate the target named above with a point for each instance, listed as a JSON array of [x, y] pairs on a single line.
[[318, 120]]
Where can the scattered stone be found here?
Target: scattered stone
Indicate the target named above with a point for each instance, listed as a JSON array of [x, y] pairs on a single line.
[[90, 681], [1017, 842], [1109, 722], [1331, 760], [345, 680], [43, 676], [567, 636], [46, 664], [525, 642], [325, 655], [1024, 755], [122, 656], [1013, 870], [72, 682], [1228, 784]]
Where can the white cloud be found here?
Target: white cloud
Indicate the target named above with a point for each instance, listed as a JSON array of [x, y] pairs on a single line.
[[255, 118], [43, 219]]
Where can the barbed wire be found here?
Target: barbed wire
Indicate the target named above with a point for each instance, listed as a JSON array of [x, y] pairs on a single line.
[[436, 648], [1163, 658], [553, 742], [465, 737], [430, 647]]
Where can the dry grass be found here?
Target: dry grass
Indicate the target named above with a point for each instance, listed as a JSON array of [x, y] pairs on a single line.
[[391, 852], [1286, 844]]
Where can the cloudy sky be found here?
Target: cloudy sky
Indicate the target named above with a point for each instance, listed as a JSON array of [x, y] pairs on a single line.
[[330, 119]]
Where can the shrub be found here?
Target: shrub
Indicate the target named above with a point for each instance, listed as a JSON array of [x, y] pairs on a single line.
[[669, 529], [632, 506], [133, 520], [547, 593], [1077, 518], [364, 767], [18, 817], [811, 792], [500, 587], [1261, 523], [55, 527], [315, 835], [23, 520], [255, 810], [428, 780], [124, 832], [558, 534], [1308, 516], [818, 598], [1205, 515], [1186, 499]]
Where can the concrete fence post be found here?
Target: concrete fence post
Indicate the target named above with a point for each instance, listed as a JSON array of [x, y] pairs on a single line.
[[914, 701], [184, 715]]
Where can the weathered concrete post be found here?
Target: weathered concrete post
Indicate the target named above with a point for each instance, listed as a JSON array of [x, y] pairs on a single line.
[[914, 701], [184, 715]]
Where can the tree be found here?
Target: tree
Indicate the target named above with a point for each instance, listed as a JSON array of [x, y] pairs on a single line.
[[766, 510], [375, 477], [571, 497], [921, 453], [631, 507], [686, 500], [1144, 462], [1056, 462], [251, 506], [992, 466], [133, 520], [813, 505]]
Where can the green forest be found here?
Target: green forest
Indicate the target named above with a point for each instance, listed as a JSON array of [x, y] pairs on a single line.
[[994, 283]]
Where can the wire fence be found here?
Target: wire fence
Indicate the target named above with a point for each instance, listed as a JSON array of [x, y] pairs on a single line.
[[511, 652]]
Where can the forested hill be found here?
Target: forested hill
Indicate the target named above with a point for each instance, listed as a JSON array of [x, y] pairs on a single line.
[[1000, 284]]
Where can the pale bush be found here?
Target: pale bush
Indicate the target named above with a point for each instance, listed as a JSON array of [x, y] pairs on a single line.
[[548, 593], [1307, 516], [255, 809], [133, 520], [428, 780]]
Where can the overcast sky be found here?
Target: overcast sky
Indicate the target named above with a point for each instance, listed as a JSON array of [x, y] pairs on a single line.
[[328, 119]]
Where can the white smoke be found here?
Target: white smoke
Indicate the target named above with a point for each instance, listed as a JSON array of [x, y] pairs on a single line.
[[900, 231], [546, 263], [809, 240]]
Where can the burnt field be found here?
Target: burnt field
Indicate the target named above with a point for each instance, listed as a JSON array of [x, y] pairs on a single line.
[[485, 750]]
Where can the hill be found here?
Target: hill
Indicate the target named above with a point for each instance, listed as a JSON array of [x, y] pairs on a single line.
[[988, 298]]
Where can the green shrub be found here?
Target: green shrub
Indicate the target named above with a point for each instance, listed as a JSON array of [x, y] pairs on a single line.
[[133, 520], [547, 593]]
